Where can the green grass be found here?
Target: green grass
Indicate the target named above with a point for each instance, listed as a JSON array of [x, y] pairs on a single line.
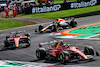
[[64, 13], [7, 24], [60, 1]]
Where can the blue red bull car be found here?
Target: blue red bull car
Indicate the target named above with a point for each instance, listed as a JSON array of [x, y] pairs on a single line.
[[17, 39], [48, 28], [65, 53], [61, 24], [67, 22]]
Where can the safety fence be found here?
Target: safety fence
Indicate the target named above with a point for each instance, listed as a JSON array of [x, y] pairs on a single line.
[[58, 7]]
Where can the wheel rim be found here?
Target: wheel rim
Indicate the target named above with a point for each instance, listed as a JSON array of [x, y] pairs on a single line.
[[38, 54], [61, 57]]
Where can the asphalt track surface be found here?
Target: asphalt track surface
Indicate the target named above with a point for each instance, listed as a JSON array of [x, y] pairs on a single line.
[[28, 54]]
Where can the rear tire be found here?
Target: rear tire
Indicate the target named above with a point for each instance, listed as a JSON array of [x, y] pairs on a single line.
[[28, 35], [73, 24], [7, 37], [7, 44], [28, 44], [40, 54], [29, 38], [35, 30]]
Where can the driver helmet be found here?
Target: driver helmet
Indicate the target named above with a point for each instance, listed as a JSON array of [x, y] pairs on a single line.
[[41, 25], [17, 35], [64, 44], [61, 40]]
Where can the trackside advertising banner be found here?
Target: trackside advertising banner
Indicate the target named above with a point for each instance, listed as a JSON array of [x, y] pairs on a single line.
[[84, 4], [46, 8], [63, 6]]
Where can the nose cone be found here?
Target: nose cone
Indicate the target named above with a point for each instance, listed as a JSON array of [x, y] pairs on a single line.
[[85, 57], [16, 45]]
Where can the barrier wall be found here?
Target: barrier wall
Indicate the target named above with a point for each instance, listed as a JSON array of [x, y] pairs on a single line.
[[58, 7]]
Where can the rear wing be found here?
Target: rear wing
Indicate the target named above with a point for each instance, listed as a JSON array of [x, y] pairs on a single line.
[[16, 32], [48, 43], [68, 18]]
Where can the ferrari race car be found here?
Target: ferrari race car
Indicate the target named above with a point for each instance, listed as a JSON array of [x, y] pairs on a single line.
[[65, 23], [64, 53], [17, 39]]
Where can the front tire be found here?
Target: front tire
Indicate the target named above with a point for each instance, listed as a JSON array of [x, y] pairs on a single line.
[[40, 54], [88, 50], [35, 30]]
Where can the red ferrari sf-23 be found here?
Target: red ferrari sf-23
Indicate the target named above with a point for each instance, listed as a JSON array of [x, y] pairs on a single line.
[[65, 53], [17, 39]]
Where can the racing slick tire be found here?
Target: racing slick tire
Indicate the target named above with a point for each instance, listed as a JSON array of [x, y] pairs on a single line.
[[28, 36], [73, 24], [64, 56], [40, 54], [88, 50], [35, 30], [29, 43], [7, 37], [7, 45], [29, 39]]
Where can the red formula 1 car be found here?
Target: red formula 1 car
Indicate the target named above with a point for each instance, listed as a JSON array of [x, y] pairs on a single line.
[[17, 39], [65, 53]]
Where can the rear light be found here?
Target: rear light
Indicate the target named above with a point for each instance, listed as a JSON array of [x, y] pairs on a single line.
[[40, 45]]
